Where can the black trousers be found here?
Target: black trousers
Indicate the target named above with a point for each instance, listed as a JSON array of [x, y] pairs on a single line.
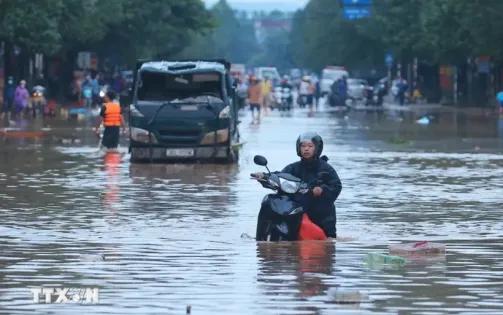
[[111, 137]]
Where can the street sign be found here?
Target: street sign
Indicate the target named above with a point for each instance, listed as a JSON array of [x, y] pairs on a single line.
[[356, 2], [355, 13], [388, 59]]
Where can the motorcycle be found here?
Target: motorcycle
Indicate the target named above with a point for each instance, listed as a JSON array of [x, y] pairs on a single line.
[[286, 99], [281, 217], [38, 100], [381, 92], [369, 96], [276, 98], [302, 101]]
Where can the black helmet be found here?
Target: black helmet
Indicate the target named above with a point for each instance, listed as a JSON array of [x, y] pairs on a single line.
[[314, 138]]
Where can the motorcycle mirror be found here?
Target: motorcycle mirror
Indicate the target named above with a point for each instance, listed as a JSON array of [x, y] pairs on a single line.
[[324, 176], [260, 160]]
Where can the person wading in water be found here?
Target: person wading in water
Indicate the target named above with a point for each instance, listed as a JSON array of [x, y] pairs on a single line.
[[112, 118]]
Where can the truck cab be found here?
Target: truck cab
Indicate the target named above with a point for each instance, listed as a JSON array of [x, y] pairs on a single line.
[[183, 110]]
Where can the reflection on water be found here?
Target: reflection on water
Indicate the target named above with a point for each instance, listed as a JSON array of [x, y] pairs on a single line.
[[295, 270], [112, 183], [170, 233], [307, 262]]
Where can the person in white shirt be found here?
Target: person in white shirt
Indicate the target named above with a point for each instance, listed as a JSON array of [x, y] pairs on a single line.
[[303, 91]]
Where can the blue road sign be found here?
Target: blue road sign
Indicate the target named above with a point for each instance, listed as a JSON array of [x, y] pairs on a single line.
[[355, 13], [388, 59], [357, 2]]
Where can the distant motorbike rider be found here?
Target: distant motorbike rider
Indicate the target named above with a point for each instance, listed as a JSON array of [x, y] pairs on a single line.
[[381, 93], [285, 85], [343, 89], [321, 208], [339, 92], [402, 89]]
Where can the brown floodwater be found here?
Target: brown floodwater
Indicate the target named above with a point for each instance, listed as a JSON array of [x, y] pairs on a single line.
[[171, 234]]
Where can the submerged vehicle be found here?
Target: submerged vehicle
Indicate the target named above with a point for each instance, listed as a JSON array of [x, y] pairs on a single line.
[[183, 110], [281, 217]]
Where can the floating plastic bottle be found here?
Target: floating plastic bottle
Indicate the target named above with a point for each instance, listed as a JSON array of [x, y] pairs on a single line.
[[424, 247], [385, 259], [347, 296], [91, 257]]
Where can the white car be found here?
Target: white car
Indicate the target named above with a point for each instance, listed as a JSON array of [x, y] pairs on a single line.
[[356, 88]]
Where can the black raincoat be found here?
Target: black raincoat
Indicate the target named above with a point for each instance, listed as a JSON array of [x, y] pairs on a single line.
[[320, 210]]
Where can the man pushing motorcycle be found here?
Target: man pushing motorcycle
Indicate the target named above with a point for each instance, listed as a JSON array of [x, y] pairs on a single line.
[[321, 208]]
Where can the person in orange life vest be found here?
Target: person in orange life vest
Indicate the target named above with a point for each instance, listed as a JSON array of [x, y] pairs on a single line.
[[112, 118]]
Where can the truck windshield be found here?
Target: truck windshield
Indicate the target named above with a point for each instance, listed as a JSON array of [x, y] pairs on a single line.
[[193, 87]]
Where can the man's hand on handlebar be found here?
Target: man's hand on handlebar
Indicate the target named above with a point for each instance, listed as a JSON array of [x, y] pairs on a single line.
[[317, 191], [257, 175]]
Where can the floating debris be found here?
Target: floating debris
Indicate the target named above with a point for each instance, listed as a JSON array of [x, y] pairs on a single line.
[[385, 259], [399, 140], [246, 236], [77, 111], [18, 133], [92, 257], [424, 247], [347, 296], [423, 120], [238, 145]]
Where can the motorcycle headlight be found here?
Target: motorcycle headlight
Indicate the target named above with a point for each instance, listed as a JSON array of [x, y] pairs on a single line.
[[141, 135], [224, 113], [102, 94], [134, 112], [288, 186]]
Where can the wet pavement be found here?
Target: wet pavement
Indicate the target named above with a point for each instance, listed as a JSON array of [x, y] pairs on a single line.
[[170, 234]]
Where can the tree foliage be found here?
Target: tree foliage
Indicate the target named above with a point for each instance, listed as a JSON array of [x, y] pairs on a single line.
[[151, 27], [433, 30]]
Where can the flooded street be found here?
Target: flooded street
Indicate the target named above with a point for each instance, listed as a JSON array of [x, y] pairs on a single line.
[[171, 234]]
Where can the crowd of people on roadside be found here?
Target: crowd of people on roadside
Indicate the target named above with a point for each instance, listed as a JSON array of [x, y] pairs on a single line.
[[86, 86], [258, 94]]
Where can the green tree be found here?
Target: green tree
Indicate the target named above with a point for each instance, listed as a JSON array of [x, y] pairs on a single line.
[[157, 28], [32, 25], [132, 27], [435, 30]]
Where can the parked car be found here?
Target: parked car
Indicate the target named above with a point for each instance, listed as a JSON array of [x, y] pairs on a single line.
[[357, 88]]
